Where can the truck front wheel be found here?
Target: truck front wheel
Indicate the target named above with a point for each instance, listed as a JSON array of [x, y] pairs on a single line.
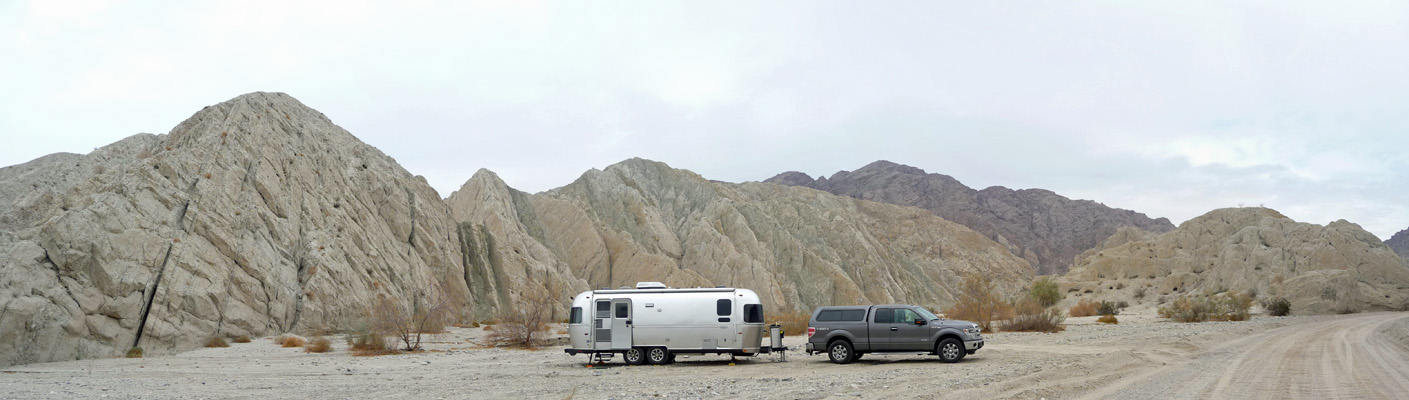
[[950, 350], [840, 352]]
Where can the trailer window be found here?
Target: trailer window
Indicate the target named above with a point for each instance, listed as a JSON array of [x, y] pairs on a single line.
[[623, 310], [724, 307], [576, 316], [753, 313], [604, 309]]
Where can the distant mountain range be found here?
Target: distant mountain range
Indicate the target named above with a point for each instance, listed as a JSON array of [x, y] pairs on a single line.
[[1045, 228], [1400, 243]]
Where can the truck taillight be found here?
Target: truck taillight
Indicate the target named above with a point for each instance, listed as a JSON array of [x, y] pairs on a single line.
[[810, 331]]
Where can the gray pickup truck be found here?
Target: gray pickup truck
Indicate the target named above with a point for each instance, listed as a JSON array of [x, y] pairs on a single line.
[[847, 332]]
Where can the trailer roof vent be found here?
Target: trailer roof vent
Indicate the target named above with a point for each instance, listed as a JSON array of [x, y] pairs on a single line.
[[720, 286], [650, 285]]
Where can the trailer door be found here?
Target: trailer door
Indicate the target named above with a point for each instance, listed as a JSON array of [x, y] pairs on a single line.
[[602, 325], [621, 324]]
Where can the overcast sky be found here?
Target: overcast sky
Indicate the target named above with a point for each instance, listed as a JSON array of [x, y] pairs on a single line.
[[1169, 109]]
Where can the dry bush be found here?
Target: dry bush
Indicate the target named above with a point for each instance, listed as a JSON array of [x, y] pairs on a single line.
[[1277, 306], [488, 327], [242, 339], [217, 341], [1108, 308], [562, 331], [1230, 306], [1031, 316], [428, 314], [318, 345], [279, 340], [978, 303], [794, 323], [134, 352], [1107, 319], [1084, 308], [293, 341], [524, 323]]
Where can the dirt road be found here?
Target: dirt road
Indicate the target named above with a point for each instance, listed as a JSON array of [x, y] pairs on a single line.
[[1356, 357]]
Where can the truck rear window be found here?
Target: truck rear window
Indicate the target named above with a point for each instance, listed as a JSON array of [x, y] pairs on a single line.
[[841, 315]]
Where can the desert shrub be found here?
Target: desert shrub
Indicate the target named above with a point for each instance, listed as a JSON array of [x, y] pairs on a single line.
[[523, 323], [242, 339], [794, 323], [1140, 293], [1107, 319], [428, 313], [1030, 316], [1277, 306], [1122, 304], [134, 352], [318, 345], [293, 341], [217, 341], [1229, 306], [1084, 308], [1107, 308], [978, 302], [1045, 291]]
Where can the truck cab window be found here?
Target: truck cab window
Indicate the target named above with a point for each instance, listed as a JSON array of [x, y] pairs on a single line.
[[906, 316], [885, 315], [724, 307]]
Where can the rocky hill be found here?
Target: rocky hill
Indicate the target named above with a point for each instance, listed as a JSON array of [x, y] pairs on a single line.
[[1321, 269], [641, 220], [1046, 229], [1400, 243], [258, 215]]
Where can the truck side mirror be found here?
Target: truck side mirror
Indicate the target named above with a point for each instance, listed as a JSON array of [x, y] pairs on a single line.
[[919, 322]]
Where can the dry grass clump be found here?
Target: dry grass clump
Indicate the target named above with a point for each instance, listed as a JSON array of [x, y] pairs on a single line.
[[1031, 316], [134, 352], [1084, 308], [217, 341], [1230, 306], [318, 345], [794, 323], [979, 303], [1107, 319], [293, 341], [242, 339]]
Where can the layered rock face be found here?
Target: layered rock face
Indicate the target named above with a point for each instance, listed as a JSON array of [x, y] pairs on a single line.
[[1046, 229], [1320, 269], [798, 248], [255, 216], [1400, 243]]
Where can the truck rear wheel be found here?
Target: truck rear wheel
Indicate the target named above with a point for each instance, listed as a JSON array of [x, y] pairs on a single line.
[[658, 355], [841, 352], [633, 356], [950, 350]]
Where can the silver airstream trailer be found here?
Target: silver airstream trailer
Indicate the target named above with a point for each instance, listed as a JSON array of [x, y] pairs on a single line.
[[652, 323]]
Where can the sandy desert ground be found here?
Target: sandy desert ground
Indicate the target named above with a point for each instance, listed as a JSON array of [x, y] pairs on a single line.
[[1360, 356]]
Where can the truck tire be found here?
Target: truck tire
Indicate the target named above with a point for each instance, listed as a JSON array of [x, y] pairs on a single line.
[[840, 352], [950, 350], [633, 356], [657, 355]]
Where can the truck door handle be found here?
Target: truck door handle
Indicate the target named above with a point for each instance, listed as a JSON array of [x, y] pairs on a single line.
[[893, 329]]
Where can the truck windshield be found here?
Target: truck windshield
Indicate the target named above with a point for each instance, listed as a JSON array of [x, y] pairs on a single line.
[[926, 314]]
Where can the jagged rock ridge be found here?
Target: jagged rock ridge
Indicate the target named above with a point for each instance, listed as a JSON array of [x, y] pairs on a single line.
[[1045, 228], [1400, 243], [1320, 269]]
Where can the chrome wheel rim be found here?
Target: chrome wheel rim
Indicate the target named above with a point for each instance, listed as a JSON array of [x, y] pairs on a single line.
[[839, 352], [657, 356], [633, 356], [950, 351]]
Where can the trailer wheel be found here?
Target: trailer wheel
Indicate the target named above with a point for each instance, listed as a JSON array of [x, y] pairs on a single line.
[[633, 356], [658, 355], [840, 352], [950, 350]]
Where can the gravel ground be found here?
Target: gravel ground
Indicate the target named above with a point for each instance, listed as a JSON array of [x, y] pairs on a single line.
[[1138, 358]]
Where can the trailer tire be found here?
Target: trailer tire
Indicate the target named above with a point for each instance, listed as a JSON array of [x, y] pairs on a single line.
[[633, 356], [658, 355], [840, 351]]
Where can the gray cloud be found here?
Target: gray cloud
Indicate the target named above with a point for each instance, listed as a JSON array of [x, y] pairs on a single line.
[[1169, 109]]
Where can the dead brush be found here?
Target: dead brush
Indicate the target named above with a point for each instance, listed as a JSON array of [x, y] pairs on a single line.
[[1084, 308], [1107, 319], [794, 323], [217, 341], [318, 345], [242, 339], [1031, 316], [293, 341]]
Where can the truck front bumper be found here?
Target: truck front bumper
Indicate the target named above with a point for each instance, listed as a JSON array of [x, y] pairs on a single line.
[[974, 345]]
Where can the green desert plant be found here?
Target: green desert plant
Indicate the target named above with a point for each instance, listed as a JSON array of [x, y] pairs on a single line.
[[1108, 308], [1030, 316], [1228, 306], [134, 352], [1045, 291], [978, 302], [1277, 306]]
